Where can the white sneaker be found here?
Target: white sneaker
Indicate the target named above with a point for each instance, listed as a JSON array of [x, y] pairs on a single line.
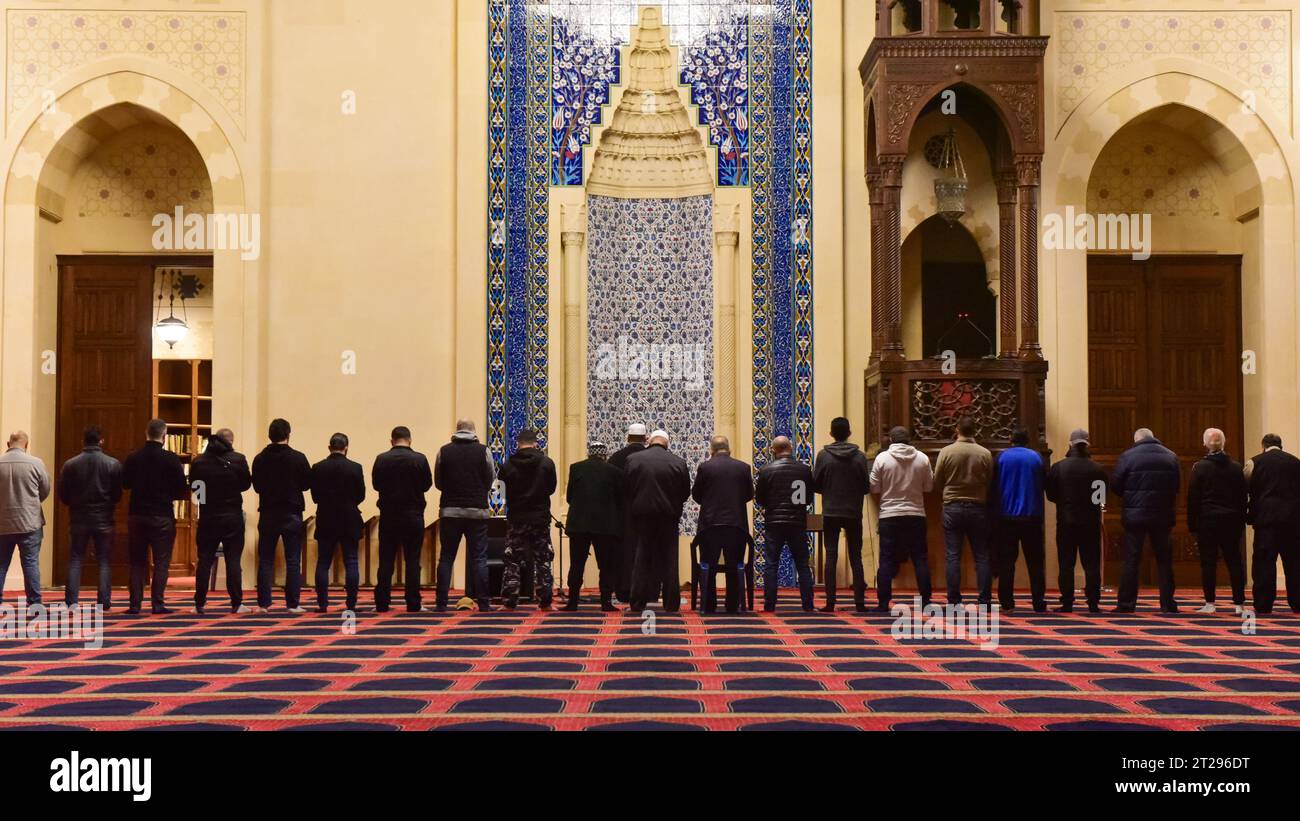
[[297, 611], [264, 610], [242, 610], [1207, 609], [1239, 609]]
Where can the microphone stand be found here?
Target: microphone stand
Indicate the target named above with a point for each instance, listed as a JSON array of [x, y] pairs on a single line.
[[561, 587], [965, 318]]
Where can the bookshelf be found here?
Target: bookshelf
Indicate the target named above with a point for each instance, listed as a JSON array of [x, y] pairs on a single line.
[[182, 397]]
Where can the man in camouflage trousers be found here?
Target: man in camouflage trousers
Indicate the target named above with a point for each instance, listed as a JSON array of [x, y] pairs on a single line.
[[530, 480]]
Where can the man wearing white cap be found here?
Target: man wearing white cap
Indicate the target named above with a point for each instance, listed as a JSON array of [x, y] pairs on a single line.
[[658, 485], [626, 551]]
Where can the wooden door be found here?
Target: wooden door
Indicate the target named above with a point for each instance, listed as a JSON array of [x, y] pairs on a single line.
[[1164, 352], [104, 374]]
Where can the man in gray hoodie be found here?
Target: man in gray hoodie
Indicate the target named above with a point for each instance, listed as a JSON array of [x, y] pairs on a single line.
[[842, 475], [901, 476]]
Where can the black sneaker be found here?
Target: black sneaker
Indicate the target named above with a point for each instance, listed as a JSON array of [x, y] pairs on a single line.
[[163, 611]]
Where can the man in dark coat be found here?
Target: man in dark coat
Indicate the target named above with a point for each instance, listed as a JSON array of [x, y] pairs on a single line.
[[842, 475], [530, 480], [1146, 478], [784, 489], [723, 488], [90, 484], [1273, 479], [595, 520], [636, 436], [219, 477], [156, 480], [1077, 486], [658, 485], [338, 487], [1216, 513], [281, 475], [464, 473], [401, 477]]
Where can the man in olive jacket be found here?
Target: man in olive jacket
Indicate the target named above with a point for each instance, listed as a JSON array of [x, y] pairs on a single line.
[[595, 497], [658, 485]]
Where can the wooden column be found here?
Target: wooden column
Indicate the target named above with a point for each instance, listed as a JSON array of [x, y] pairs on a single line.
[[1027, 179], [1007, 284], [875, 196], [891, 254]]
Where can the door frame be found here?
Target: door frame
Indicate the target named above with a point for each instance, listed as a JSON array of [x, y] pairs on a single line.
[[63, 261]]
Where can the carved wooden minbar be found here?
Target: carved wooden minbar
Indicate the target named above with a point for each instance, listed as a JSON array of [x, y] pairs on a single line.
[[983, 50]]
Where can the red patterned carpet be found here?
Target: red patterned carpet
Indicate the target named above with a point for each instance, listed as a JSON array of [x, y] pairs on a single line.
[[531, 670]]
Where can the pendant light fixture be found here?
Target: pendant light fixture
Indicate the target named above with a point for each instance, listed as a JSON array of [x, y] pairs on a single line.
[[171, 328], [951, 185]]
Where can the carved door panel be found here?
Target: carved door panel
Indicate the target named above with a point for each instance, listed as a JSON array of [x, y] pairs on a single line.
[[1164, 347]]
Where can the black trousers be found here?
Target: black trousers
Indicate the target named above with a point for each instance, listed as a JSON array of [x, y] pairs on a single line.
[[852, 530], [404, 533], [1081, 543], [146, 535], [655, 574], [624, 564], [1215, 537], [326, 547], [902, 539], [1018, 536], [1272, 543], [581, 545], [224, 533], [81, 540], [1134, 537], [725, 545], [271, 530]]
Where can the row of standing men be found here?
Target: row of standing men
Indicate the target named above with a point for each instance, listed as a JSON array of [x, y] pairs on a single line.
[[626, 507]]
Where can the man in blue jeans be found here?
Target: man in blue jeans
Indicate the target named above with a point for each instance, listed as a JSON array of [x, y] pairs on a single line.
[[90, 484], [783, 489], [463, 473], [900, 478], [963, 473], [24, 484], [281, 476]]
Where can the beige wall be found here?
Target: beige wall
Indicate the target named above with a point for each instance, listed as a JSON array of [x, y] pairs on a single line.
[[373, 223]]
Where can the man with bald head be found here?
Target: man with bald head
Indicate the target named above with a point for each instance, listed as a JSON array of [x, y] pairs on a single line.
[[784, 490], [1216, 514], [723, 487], [658, 485], [24, 485], [1146, 478]]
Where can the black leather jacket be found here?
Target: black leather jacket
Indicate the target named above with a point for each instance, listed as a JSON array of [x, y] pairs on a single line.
[[90, 484], [225, 476], [778, 493]]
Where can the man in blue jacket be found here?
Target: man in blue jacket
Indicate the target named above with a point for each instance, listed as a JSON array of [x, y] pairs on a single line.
[[1146, 479], [1019, 485]]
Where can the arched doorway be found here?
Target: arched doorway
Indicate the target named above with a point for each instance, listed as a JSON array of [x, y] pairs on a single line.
[[945, 279], [1166, 315]]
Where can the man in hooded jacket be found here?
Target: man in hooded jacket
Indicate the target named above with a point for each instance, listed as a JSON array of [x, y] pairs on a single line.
[[219, 478], [900, 477], [529, 478], [842, 475]]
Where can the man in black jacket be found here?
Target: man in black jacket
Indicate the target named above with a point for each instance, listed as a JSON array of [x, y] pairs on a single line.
[[529, 479], [156, 479], [219, 478], [1146, 477], [401, 478], [338, 487], [1077, 486], [281, 475], [626, 553], [723, 488], [784, 489], [1273, 479], [464, 473], [1216, 513], [842, 475], [595, 496], [90, 484], [658, 485]]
